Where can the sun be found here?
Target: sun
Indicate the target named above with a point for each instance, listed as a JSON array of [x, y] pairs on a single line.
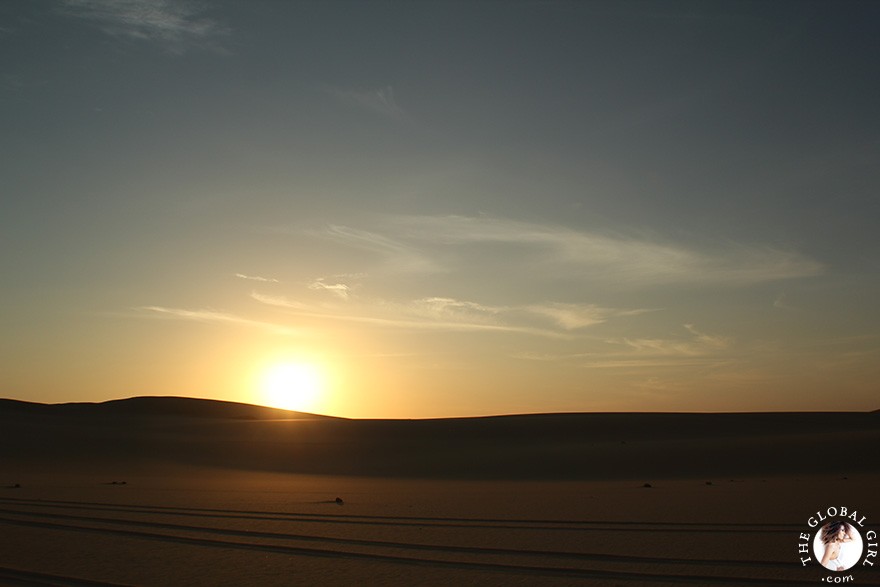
[[292, 386]]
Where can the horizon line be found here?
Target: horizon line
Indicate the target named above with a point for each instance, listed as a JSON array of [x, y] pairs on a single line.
[[492, 415]]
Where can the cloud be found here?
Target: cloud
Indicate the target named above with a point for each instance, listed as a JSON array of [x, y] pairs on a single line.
[[378, 101], [440, 314], [781, 302], [566, 317], [698, 344], [339, 289], [397, 256], [439, 308], [642, 363], [707, 341], [555, 320], [575, 316], [635, 260], [176, 25], [212, 316], [257, 278], [695, 349]]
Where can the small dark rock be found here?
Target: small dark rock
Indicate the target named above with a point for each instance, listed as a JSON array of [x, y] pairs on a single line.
[[339, 501], [647, 485]]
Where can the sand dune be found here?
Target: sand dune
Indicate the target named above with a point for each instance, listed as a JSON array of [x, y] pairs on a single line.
[[191, 432], [154, 406]]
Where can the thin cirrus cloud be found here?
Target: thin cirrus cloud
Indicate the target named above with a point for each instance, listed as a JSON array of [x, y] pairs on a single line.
[[696, 348], [781, 302], [397, 255], [379, 101], [340, 290], [438, 314], [177, 25], [575, 316], [631, 260], [444, 313], [697, 344], [442, 308], [213, 316], [256, 278], [565, 317]]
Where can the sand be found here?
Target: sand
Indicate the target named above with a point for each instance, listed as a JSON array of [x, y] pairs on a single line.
[[216, 512]]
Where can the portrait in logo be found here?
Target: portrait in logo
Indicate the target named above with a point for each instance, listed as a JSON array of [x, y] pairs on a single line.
[[838, 545]]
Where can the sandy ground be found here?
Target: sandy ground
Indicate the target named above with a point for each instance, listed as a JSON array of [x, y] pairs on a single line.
[[214, 527]]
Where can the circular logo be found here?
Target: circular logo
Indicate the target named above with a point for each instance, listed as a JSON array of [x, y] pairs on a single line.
[[838, 545]]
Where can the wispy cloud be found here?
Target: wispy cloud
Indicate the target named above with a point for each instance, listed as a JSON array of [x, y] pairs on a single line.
[[575, 316], [781, 302], [440, 308], [707, 341], [445, 313], [562, 318], [396, 255], [439, 314], [698, 344], [213, 316], [257, 278], [443, 244], [340, 290], [696, 348], [175, 24], [628, 259], [643, 363], [379, 101]]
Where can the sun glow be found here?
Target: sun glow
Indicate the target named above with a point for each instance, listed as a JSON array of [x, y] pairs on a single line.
[[293, 386]]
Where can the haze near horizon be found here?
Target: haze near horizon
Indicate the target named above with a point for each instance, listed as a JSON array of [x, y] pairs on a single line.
[[441, 209]]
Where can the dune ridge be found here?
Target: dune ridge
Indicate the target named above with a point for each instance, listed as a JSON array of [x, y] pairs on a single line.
[[157, 406], [148, 431]]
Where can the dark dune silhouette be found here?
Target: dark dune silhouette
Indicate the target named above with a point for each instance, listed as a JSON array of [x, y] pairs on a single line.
[[195, 432], [155, 406]]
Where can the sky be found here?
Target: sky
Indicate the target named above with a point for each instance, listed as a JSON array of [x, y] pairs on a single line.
[[433, 209]]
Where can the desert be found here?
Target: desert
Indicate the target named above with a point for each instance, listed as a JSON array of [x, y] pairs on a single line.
[[178, 491]]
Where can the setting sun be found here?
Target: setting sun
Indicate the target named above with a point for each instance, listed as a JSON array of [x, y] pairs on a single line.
[[292, 386]]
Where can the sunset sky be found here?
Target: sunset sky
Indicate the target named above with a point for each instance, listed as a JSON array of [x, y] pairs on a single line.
[[442, 209]]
